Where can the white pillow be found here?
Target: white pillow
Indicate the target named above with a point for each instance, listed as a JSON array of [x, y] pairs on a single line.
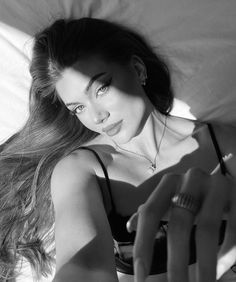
[[199, 38]]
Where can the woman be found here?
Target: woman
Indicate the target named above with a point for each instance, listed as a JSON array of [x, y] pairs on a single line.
[[97, 143]]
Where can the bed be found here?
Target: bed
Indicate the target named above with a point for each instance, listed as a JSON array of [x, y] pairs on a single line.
[[197, 37]]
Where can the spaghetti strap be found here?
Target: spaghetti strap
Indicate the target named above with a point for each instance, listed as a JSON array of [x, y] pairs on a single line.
[[108, 183], [217, 148]]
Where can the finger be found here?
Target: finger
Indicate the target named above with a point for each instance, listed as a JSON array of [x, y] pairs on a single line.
[[140, 271], [227, 252], [208, 226], [227, 256], [218, 169], [179, 231], [149, 216], [180, 225], [131, 224], [228, 160]]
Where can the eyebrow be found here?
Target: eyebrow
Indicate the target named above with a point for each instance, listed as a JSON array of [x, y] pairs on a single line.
[[92, 80]]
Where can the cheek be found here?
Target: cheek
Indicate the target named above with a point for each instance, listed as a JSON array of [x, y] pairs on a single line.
[[87, 122], [129, 93], [130, 104], [130, 85]]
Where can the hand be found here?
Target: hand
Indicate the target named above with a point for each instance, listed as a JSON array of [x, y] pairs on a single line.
[[213, 195]]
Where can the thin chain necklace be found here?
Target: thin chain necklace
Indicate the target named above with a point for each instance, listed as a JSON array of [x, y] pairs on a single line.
[[153, 164]]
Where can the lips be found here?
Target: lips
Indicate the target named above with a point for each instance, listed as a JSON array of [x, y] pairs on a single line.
[[113, 129]]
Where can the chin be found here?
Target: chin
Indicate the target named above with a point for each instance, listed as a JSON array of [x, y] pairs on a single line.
[[124, 138]]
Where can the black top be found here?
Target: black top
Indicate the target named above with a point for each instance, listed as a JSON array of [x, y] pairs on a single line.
[[122, 237]]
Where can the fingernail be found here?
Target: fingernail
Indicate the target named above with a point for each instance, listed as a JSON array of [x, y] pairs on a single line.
[[129, 226], [139, 270]]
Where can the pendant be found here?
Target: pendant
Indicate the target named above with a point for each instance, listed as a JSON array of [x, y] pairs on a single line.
[[152, 168]]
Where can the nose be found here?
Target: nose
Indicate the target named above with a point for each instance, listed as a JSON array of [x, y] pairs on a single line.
[[100, 116]]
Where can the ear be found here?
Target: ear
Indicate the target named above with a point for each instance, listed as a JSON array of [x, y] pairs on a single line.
[[139, 68]]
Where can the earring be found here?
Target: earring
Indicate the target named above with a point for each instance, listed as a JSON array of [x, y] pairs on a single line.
[[144, 80]]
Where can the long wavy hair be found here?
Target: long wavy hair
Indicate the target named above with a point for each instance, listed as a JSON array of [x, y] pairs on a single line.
[[28, 158]]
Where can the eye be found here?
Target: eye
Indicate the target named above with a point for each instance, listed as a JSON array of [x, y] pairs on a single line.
[[104, 88], [78, 109]]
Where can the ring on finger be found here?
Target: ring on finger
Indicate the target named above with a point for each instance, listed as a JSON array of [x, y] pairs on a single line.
[[187, 202]]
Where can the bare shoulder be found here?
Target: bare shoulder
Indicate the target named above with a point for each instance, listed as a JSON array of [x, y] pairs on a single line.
[[79, 158], [73, 172], [82, 231]]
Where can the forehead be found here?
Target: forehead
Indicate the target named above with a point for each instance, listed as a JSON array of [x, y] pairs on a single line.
[[77, 76], [75, 79], [92, 65]]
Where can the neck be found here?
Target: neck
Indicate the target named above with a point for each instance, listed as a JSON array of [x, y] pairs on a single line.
[[147, 142]]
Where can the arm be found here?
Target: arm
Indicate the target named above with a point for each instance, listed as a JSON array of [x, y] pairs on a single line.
[[84, 245]]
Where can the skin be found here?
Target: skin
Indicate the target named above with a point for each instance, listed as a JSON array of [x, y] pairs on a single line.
[[96, 110], [82, 229]]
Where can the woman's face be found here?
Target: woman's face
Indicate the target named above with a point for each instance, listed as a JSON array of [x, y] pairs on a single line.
[[107, 97]]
